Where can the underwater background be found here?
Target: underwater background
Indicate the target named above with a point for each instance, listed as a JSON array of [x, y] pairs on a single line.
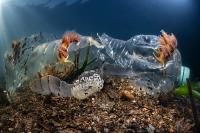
[[118, 18]]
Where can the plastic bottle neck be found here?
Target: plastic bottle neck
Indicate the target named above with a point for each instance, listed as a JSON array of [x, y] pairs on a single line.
[[184, 75]]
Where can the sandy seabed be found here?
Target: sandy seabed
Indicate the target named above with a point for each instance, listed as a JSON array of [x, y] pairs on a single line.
[[114, 109]]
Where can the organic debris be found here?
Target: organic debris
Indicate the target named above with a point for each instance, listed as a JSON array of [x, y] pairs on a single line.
[[107, 111]]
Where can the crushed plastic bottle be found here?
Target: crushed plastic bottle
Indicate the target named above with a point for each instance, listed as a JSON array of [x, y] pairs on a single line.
[[45, 63], [152, 63]]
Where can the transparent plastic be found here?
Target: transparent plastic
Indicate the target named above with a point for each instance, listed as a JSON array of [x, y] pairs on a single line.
[[16, 60], [87, 84], [136, 60], [35, 61]]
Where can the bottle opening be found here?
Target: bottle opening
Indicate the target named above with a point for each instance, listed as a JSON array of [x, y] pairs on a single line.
[[185, 74]]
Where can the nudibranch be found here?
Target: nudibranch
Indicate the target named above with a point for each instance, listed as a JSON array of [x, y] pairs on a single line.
[[66, 41], [168, 44]]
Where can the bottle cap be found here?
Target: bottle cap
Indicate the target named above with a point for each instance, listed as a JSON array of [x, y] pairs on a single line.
[[185, 74]]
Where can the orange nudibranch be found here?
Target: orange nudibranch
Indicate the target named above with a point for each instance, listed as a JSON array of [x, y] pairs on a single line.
[[63, 48], [168, 44]]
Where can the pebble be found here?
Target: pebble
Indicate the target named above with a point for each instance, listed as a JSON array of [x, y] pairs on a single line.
[[10, 129], [134, 119], [134, 101], [96, 118], [150, 128], [128, 95], [106, 130]]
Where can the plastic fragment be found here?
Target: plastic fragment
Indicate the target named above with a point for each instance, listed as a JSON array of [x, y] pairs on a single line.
[[51, 85], [87, 84]]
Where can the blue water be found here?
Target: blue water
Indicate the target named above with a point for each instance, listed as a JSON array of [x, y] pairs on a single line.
[[118, 18]]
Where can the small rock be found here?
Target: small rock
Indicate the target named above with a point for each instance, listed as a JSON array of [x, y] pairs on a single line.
[[10, 129], [150, 128], [96, 118], [134, 101], [131, 112], [127, 95], [106, 130]]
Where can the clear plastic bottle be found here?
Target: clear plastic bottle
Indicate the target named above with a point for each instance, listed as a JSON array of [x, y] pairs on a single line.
[[136, 59], [35, 62]]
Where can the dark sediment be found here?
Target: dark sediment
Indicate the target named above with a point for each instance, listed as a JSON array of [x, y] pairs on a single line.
[[111, 110], [3, 98]]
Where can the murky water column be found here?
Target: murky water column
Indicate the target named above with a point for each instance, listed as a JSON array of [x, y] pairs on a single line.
[[2, 64], [3, 39]]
